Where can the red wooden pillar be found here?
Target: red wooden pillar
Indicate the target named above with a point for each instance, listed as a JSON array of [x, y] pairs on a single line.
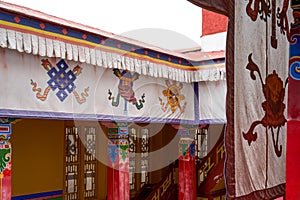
[[118, 187], [293, 124], [5, 162], [187, 166]]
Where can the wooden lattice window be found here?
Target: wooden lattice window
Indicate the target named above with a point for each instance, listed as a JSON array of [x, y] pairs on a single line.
[[80, 163], [201, 142], [132, 163], [72, 163], [90, 162], [144, 156], [138, 160]]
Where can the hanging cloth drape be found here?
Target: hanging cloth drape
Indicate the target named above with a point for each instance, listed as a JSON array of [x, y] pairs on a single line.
[[256, 112]]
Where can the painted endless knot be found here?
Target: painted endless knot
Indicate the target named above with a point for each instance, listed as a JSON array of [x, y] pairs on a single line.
[[61, 80]]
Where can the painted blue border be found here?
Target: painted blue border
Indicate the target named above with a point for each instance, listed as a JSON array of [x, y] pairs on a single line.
[[44, 194], [96, 39], [212, 121], [92, 117]]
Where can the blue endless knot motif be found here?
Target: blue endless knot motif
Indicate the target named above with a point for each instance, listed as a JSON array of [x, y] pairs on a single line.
[[62, 80]]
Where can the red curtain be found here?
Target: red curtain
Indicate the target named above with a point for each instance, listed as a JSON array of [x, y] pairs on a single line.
[[186, 167]]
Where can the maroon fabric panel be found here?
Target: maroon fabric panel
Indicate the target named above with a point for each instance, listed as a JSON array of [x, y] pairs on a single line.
[[292, 160]]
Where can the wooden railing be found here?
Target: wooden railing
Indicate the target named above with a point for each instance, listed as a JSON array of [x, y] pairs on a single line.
[[209, 173], [210, 168], [164, 189]]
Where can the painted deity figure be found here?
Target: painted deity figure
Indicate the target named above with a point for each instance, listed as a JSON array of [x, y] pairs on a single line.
[[125, 89]]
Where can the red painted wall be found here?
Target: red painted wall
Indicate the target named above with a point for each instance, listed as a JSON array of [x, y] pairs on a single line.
[[213, 23]]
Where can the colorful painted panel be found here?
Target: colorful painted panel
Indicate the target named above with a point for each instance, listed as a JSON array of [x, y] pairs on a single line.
[[5, 161]]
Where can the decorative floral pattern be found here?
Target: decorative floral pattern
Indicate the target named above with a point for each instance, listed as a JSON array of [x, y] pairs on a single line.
[[118, 147], [4, 158]]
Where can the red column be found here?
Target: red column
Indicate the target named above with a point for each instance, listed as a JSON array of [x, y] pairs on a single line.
[[293, 142], [186, 167], [293, 124], [5, 162], [118, 187]]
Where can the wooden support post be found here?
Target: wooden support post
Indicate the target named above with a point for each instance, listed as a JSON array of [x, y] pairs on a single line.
[[187, 166], [118, 187], [5, 162]]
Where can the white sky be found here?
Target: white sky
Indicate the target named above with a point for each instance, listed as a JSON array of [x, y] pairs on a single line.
[[171, 24]]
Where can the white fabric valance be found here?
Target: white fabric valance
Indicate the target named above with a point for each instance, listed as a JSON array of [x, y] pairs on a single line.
[[42, 46]]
